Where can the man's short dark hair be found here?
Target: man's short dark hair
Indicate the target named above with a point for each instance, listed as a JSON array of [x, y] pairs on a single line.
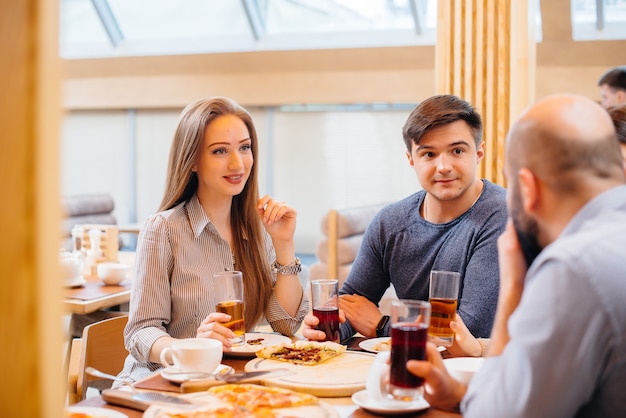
[[615, 78], [437, 111]]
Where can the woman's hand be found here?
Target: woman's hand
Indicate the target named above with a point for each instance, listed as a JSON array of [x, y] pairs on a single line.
[[279, 219], [464, 344], [211, 327]]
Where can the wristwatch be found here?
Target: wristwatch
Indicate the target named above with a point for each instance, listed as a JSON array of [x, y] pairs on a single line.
[[294, 267], [380, 328]]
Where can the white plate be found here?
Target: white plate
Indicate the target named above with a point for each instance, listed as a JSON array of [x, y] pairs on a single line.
[[168, 374], [370, 345], [75, 282], [390, 407], [96, 412], [206, 401], [249, 350]]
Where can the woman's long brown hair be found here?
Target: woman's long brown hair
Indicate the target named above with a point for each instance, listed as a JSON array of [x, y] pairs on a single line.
[[247, 231]]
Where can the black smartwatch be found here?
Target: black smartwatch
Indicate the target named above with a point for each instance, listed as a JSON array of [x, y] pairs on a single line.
[[380, 328]]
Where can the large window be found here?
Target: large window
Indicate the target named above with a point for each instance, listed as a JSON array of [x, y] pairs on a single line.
[[598, 20], [106, 28]]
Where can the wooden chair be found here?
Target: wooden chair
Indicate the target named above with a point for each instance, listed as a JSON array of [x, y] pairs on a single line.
[[101, 347]]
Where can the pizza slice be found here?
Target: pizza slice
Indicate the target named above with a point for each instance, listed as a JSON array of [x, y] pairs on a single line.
[[308, 353], [259, 398]]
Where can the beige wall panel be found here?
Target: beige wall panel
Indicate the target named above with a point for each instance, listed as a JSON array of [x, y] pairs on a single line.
[[250, 89], [344, 59], [582, 80]]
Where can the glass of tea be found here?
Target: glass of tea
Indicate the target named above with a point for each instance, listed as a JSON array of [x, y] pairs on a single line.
[[409, 333], [324, 297], [228, 287], [443, 297]]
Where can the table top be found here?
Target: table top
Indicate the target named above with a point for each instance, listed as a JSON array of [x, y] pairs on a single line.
[[95, 295], [344, 405]]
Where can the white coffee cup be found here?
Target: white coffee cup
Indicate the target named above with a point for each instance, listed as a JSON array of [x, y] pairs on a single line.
[[193, 355], [377, 383]]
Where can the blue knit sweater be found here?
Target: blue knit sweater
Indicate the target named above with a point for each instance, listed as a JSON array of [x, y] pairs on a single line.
[[401, 248]]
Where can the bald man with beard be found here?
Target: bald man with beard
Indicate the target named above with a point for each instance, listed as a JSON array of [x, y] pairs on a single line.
[[559, 338]]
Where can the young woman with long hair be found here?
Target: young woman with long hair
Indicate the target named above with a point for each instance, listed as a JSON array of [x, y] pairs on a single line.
[[211, 219]]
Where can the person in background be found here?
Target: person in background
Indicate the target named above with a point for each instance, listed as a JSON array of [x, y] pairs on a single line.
[[613, 87], [211, 219], [558, 347], [452, 224], [618, 115]]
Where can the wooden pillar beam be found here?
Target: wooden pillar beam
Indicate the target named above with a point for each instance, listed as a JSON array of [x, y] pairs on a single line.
[[485, 54], [30, 210]]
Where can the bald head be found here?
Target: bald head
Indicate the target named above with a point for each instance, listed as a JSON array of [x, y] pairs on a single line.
[[565, 140]]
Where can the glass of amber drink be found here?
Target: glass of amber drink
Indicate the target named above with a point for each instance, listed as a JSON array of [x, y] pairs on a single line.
[[228, 287], [443, 297]]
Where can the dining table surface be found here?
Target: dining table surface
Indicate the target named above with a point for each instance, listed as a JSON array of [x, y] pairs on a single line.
[[344, 406], [93, 294]]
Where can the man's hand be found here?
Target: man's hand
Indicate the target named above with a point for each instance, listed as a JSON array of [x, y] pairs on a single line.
[[512, 274], [441, 390], [309, 326], [362, 314]]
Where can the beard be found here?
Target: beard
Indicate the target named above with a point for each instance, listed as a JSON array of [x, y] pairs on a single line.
[[526, 228]]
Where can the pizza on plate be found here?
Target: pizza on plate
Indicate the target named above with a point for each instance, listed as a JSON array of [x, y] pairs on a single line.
[[248, 401], [384, 345], [308, 353]]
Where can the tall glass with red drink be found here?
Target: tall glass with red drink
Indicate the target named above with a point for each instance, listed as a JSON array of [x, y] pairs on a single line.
[[409, 332], [324, 297]]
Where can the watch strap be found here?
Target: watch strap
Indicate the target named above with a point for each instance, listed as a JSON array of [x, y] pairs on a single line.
[[381, 328]]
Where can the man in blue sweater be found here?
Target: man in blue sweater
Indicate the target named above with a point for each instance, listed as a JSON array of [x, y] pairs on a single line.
[[452, 224]]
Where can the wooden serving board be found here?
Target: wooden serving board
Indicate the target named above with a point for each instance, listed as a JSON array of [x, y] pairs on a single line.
[[338, 377]]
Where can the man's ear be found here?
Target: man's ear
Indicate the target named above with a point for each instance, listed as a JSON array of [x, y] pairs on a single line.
[[480, 152], [620, 97], [529, 190], [410, 158]]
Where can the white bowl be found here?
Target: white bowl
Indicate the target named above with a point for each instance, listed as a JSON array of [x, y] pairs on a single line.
[[463, 368], [113, 273]]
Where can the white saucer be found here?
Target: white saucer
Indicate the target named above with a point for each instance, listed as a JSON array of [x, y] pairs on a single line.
[[173, 375], [75, 282], [390, 407]]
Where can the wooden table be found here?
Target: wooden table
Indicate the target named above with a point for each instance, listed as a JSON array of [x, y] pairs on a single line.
[[344, 406], [95, 295]]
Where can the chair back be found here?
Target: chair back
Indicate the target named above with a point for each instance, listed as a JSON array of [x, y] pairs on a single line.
[[102, 348]]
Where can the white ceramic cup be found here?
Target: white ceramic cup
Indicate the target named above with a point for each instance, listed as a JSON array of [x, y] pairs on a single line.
[[377, 383], [193, 355]]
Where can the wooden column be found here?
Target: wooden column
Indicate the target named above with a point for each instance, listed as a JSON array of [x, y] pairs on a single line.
[[30, 214], [485, 54]]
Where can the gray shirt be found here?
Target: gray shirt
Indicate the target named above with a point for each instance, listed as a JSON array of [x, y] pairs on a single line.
[[567, 351], [172, 291], [401, 247]]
